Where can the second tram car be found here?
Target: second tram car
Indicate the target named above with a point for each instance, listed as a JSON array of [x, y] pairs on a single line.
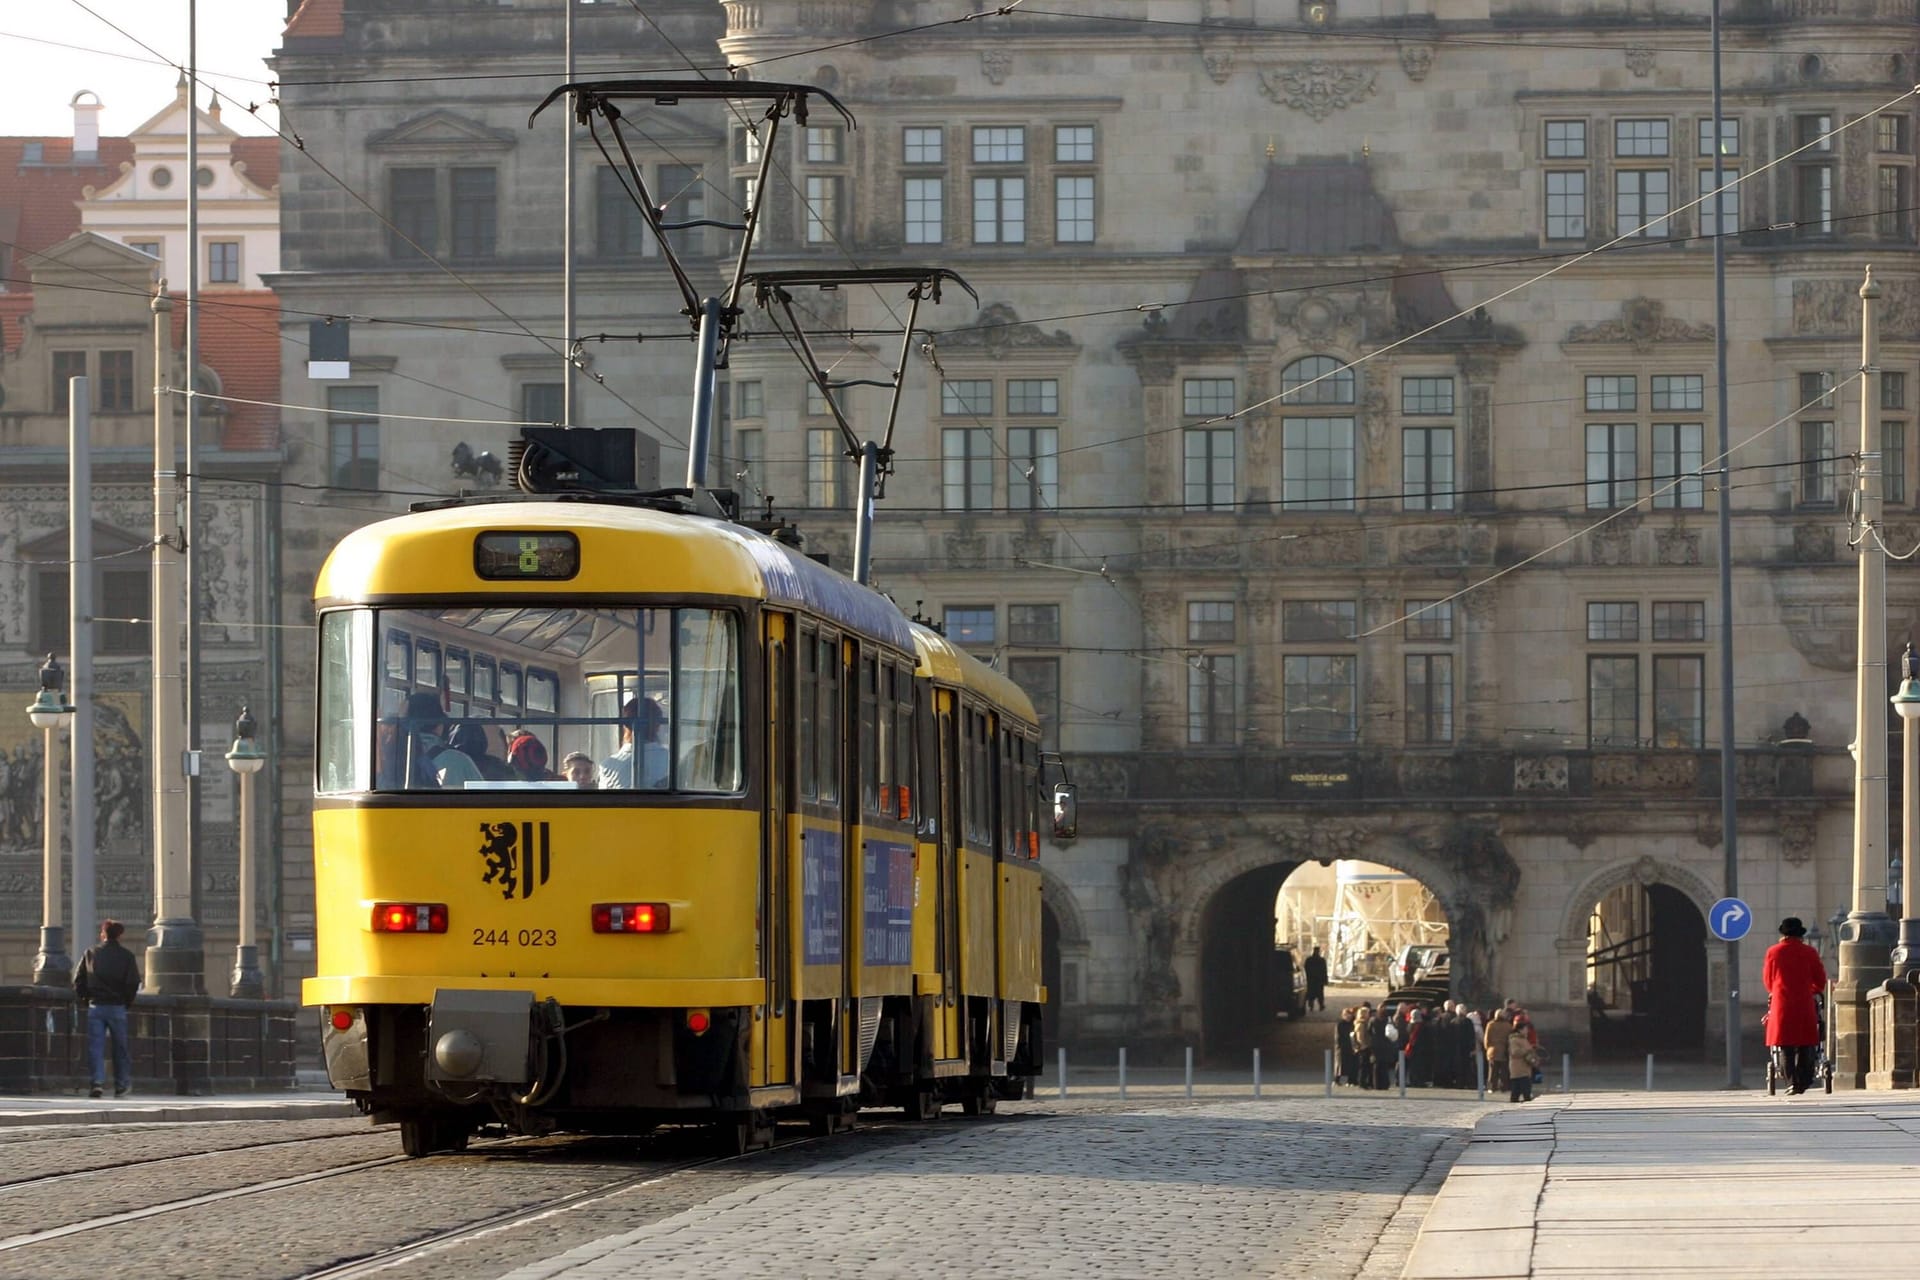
[[626, 815]]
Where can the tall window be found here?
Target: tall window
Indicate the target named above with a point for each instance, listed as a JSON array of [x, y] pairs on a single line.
[[825, 483], [414, 209], [969, 624], [1726, 221], [223, 262], [116, 382], [1677, 446], [966, 468], [1612, 461], [683, 193], [543, 402], [1033, 624], [1566, 204], [1429, 699], [473, 213], [1073, 210], [1426, 468], [999, 199], [823, 207], [925, 211], [1320, 689], [619, 230], [1317, 464], [823, 144], [1613, 700], [1210, 673], [1893, 437], [1893, 212], [1819, 445], [1641, 199], [1208, 468], [1813, 175], [1033, 468], [67, 365], [1679, 700], [354, 439]]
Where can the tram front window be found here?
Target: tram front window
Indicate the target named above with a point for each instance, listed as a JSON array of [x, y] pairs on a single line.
[[530, 698]]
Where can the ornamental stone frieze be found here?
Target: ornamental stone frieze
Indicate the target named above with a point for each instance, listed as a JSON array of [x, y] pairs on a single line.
[[1831, 308], [1540, 774], [1416, 60], [995, 63], [1640, 62], [1000, 328], [1642, 322], [1318, 548], [1316, 87], [1612, 542], [1677, 544]]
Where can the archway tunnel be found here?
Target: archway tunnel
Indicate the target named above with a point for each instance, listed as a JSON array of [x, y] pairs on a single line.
[[1646, 971]]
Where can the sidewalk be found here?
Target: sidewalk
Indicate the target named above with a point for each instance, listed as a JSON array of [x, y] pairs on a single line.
[[1694, 1184], [318, 1103]]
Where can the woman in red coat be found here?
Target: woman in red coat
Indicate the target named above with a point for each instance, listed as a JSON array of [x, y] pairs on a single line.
[[1794, 975]]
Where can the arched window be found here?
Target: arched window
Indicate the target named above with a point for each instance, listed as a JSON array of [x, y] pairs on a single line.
[[1316, 380]]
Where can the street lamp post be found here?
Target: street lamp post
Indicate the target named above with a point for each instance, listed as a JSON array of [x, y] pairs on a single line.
[[246, 759], [51, 712], [1906, 952]]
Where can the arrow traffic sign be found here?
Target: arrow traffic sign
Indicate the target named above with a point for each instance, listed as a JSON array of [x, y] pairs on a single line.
[[1729, 919]]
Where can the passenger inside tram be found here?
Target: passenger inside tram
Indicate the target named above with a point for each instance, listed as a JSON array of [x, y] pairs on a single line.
[[466, 699]]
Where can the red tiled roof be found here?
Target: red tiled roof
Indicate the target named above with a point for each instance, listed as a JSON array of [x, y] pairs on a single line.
[[262, 158], [14, 307], [41, 198], [240, 339], [317, 19]]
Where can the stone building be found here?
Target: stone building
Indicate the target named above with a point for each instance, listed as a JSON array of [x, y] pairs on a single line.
[[1321, 521], [77, 301]]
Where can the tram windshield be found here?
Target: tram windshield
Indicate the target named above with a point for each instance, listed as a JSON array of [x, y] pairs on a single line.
[[529, 698]]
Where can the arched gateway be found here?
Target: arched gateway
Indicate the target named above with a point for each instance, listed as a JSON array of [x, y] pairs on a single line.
[[1178, 885]]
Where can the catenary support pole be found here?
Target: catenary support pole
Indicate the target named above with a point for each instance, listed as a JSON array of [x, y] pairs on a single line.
[[80, 602], [1123, 1073], [191, 688], [1480, 1077], [1256, 1073], [863, 521], [567, 300], [1061, 1068], [705, 373], [1867, 938], [1729, 781], [1649, 1073], [1566, 1073], [1189, 1071], [175, 962], [1328, 1070]]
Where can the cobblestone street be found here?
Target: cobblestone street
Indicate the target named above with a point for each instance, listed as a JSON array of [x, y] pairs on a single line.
[[1295, 1186]]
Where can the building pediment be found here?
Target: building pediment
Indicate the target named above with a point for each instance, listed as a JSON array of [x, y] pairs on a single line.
[[1000, 328], [441, 130], [88, 252], [51, 548], [1642, 323]]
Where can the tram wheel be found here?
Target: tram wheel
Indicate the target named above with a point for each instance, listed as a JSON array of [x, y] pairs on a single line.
[[982, 1103], [424, 1137], [921, 1104]]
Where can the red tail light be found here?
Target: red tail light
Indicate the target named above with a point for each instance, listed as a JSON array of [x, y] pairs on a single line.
[[342, 1019], [631, 917], [409, 917]]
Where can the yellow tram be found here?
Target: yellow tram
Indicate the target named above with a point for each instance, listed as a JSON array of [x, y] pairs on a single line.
[[626, 815]]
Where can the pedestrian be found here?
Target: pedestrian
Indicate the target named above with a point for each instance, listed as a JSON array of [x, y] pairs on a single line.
[[475, 741], [1522, 1058], [527, 756], [1362, 1047], [106, 981], [1499, 1027], [1315, 968], [1386, 1049], [1793, 975], [1343, 1046]]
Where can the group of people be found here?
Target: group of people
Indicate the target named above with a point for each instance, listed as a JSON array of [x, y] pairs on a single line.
[[1439, 1047], [446, 754]]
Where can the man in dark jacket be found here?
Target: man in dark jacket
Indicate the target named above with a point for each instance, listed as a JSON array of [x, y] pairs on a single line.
[[1316, 971], [106, 982]]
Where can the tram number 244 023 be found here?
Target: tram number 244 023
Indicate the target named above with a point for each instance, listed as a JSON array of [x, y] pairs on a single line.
[[516, 938]]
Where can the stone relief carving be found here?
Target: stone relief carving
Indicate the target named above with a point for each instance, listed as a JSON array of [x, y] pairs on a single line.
[[967, 549], [1813, 543], [1540, 773], [994, 64], [1031, 546], [1611, 543], [1833, 307], [1640, 62], [1642, 322], [1677, 544], [1416, 60], [1318, 88], [1707, 829], [1796, 837], [1219, 65], [999, 327], [1320, 549]]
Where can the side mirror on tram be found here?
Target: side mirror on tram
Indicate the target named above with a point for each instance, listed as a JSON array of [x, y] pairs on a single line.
[[1066, 811]]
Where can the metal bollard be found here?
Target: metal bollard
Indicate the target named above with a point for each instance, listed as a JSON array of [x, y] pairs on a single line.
[[1256, 1073], [1123, 1075], [1480, 1076], [1189, 1071], [1649, 1073], [1063, 1073], [1400, 1070], [1329, 1073], [1566, 1073]]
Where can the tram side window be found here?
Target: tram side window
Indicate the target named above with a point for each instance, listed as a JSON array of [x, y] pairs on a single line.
[[928, 795], [1009, 811], [978, 782], [904, 792], [806, 739], [831, 743], [868, 745]]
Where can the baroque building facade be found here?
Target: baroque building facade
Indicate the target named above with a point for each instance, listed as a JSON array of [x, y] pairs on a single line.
[[1321, 518]]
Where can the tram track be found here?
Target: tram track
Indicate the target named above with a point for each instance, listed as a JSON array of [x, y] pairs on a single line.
[[36, 1182]]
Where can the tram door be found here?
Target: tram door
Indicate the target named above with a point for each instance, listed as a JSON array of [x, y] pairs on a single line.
[[950, 1044], [779, 1024]]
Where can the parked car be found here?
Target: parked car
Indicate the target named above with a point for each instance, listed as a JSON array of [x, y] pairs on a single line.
[[1412, 958]]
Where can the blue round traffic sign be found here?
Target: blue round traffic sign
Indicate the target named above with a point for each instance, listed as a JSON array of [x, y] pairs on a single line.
[[1729, 919]]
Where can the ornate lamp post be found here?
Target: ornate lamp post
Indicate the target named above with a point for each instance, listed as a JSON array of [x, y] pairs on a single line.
[[246, 759], [51, 712], [1906, 952]]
